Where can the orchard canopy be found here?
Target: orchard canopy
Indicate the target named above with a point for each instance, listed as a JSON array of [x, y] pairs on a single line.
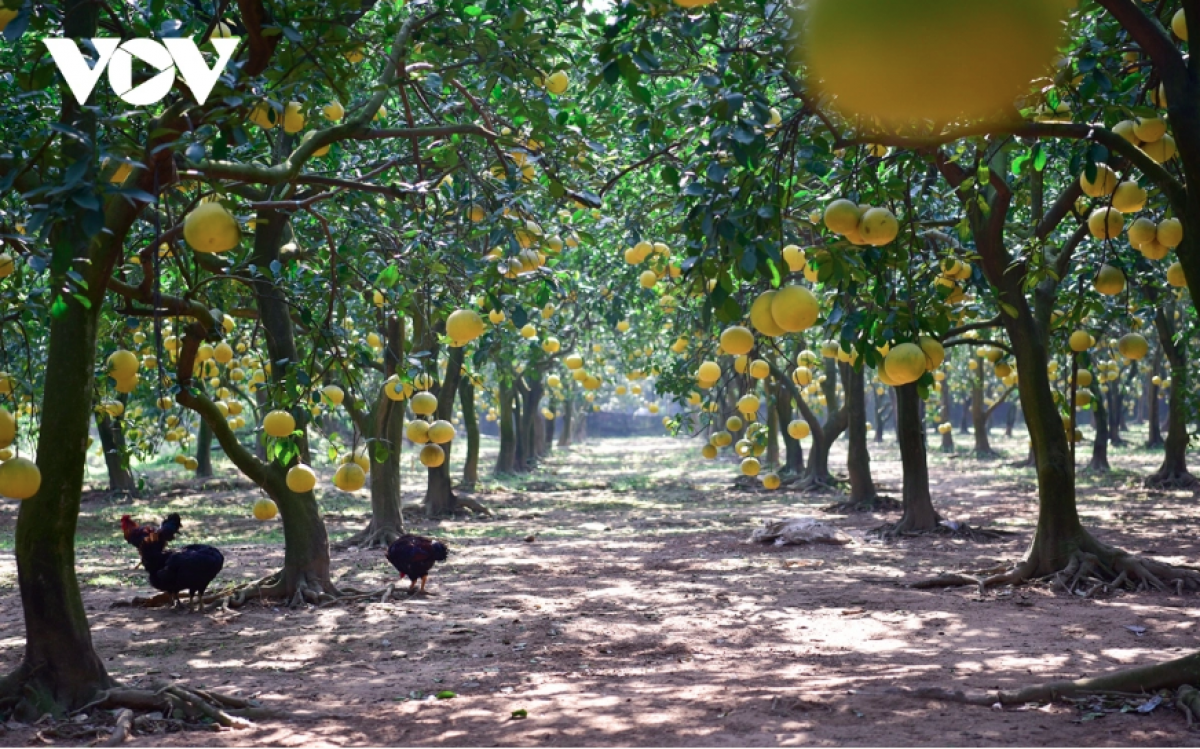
[[393, 261]]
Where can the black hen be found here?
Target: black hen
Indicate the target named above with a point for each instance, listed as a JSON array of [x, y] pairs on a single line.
[[414, 556], [191, 568]]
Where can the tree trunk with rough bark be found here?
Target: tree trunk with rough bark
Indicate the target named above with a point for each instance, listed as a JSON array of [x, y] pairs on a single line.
[[1173, 472], [858, 458], [979, 417], [440, 500], [204, 468], [564, 433], [1152, 410], [506, 461], [1099, 461], [918, 513], [112, 442], [466, 398]]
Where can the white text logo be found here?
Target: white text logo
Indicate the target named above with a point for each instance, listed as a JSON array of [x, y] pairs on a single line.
[[168, 56]]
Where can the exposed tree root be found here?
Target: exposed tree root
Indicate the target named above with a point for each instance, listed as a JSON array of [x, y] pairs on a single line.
[[1166, 479], [809, 484], [1088, 572], [988, 454], [874, 503], [476, 507], [1178, 674], [174, 700], [948, 528], [371, 538]]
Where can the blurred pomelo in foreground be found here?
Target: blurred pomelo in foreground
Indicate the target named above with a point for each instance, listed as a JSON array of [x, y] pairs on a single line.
[[901, 60]]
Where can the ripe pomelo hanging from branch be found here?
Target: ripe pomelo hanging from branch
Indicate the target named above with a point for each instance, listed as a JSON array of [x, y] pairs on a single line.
[[901, 60]]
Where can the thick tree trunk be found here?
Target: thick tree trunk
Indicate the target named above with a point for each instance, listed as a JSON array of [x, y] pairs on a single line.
[[964, 424], [858, 459], [1010, 419], [948, 435], [306, 542], [112, 442], [60, 670], [385, 425], [1099, 461], [506, 461], [772, 428], [793, 450], [1173, 471], [466, 398], [204, 468], [918, 513], [1115, 407], [1152, 410], [440, 500], [979, 417], [568, 411]]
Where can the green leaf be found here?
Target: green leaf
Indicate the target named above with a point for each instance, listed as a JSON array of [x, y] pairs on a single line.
[[520, 714], [446, 695]]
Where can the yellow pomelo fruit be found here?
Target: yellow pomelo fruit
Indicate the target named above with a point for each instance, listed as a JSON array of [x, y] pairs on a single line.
[[709, 451], [1106, 223], [333, 111], [332, 393], [300, 479], [266, 509], [737, 340], [7, 265], [424, 404], [551, 345], [771, 481], [935, 353], [879, 227], [573, 361], [1161, 150], [1179, 25], [647, 279], [761, 317], [279, 424], [759, 369], [293, 117], [8, 428], [1152, 250], [795, 309], [798, 429], [1129, 197], [417, 431], [750, 467], [464, 326], [748, 404], [905, 363], [1175, 276], [1003, 370], [1142, 231], [1127, 130], [1149, 129], [1080, 340], [842, 217], [432, 456], [528, 331], [1083, 378], [557, 82], [264, 116], [19, 478], [350, 477], [1133, 346], [794, 257], [623, 326], [211, 228], [1103, 185], [709, 371], [1169, 232], [122, 364], [900, 60], [396, 390], [1110, 281], [440, 432]]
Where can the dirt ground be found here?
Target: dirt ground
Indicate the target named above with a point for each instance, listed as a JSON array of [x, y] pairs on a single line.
[[640, 615]]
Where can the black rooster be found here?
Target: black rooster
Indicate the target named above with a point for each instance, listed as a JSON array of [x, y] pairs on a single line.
[[191, 568], [135, 534], [414, 556]]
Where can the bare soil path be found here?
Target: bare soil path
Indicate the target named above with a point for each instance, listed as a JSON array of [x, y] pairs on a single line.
[[639, 615]]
